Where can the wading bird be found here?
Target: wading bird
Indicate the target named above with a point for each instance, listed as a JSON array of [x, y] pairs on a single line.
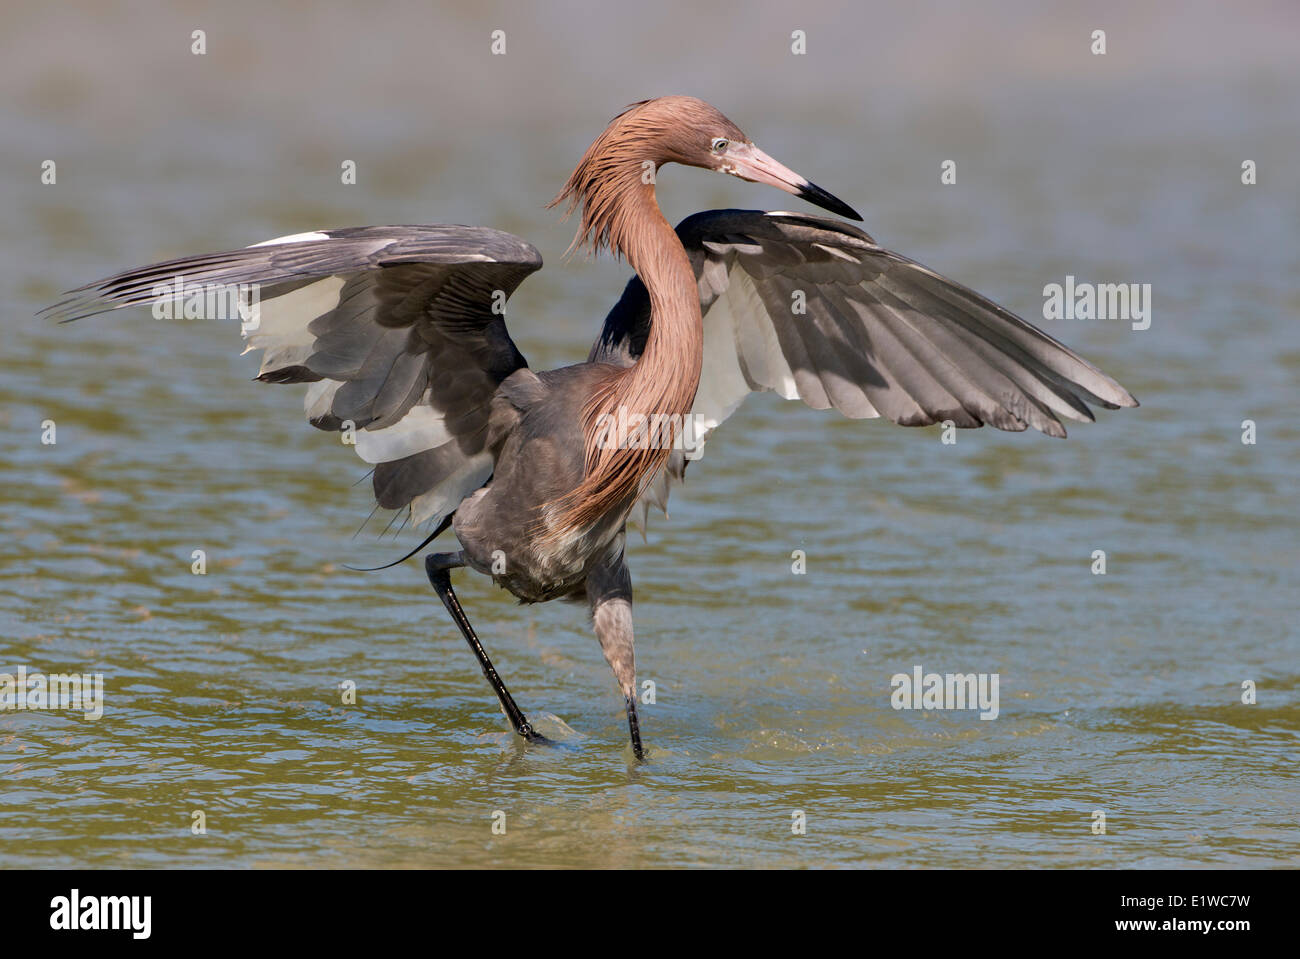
[[398, 332]]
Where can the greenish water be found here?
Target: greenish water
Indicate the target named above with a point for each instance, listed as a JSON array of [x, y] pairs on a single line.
[[1119, 693]]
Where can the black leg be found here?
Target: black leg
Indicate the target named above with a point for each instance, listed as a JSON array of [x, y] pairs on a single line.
[[635, 726], [438, 566]]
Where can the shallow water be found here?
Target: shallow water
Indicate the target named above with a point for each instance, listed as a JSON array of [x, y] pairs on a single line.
[[1119, 693]]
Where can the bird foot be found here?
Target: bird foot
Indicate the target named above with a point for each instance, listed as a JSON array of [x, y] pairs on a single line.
[[533, 736]]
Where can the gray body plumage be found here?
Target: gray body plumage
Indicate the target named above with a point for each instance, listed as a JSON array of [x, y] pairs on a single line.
[[540, 460]]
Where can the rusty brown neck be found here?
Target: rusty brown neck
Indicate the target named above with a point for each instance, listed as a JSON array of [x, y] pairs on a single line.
[[667, 374], [662, 382]]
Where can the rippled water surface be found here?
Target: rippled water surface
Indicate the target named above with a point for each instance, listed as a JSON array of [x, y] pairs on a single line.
[[1119, 693]]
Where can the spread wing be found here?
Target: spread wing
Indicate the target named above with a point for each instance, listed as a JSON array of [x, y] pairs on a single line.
[[814, 309], [398, 332]]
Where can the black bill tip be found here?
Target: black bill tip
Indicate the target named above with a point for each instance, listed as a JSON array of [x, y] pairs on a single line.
[[815, 194]]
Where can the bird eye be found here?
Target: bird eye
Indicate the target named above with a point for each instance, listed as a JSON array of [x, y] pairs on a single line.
[[720, 144]]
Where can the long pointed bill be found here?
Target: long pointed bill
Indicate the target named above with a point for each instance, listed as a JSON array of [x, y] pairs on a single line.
[[752, 164]]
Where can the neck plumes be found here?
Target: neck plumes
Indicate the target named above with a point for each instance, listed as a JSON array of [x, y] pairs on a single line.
[[652, 397]]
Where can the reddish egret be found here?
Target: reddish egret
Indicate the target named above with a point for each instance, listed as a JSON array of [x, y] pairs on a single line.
[[399, 332]]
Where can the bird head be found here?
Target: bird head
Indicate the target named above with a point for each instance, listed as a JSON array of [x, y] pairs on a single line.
[[694, 133], [673, 129]]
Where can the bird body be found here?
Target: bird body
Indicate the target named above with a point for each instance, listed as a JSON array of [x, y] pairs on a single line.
[[397, 334], [541, 460]]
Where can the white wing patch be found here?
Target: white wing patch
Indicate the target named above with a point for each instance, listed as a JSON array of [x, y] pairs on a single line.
[[319, 398], [422, 428], [293, 238], [722, 384], [279, 325], [835, 252], [755, 339]]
